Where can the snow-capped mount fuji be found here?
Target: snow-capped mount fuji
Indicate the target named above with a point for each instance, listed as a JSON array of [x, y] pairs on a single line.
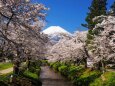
[[55, 33], [55, 30]]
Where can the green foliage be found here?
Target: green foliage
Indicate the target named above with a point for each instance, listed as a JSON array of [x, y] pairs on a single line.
[[74, 71], [63, 69], [44, 61], [34, 67], [5, 65], [67, 70], [4, 79], [112, 12], [109, 80], [56, 65], [30, 74], [20, 81], [90, 37], [86, 78], [51, 64], [97, 8]]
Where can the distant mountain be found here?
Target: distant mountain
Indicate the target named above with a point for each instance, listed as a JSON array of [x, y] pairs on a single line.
[[55, 33]]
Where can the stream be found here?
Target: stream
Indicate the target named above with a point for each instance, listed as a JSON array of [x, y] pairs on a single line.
[[51, 78]]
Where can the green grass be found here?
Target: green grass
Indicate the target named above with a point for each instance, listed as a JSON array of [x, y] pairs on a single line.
[[87, 77], [4, 79], [106, 79], [5, 65], [31, 75]]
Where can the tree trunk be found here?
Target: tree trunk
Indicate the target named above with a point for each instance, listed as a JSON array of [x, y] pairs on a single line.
[[103, 66], [87, 54], [98, 66], [16, 67], [17, 61], [85, 61], [28, 63]]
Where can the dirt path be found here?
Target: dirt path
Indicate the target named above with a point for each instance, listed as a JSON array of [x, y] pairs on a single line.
[[50, 78], [6, 71]]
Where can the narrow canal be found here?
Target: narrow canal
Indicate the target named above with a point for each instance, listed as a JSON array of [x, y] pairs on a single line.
[[50, 78]]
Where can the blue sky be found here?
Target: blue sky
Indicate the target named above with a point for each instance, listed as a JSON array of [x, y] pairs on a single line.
[[68, 14]]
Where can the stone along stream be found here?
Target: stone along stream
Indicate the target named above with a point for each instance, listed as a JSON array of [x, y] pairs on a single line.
[[50, 78]]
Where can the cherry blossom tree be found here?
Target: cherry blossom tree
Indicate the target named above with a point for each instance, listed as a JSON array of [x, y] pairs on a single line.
[[70, 49], [20, 24], [104, 42]]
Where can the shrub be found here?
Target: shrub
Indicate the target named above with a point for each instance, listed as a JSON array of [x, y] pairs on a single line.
[[87, 78], [29, 74], [44, 62], [56, 65], [64, 70], [72, 72], [4, 79], [34, 67], [38, 71], [21, 81], [109, 80], [51, 64]]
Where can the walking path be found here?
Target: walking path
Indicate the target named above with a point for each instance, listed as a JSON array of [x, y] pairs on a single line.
[[50, 78], [5, 71]]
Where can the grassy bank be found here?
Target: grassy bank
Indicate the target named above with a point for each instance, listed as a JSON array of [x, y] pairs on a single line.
[[5, 65], [5, 79], [26, 77], [84, 77]]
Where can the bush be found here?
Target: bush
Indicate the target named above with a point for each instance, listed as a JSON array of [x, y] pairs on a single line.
[[87, 77], [72, 72], [44, 62], [56, 65], [51, 64], [29, 74], [109, 80], [110, 76], [4, 79], [64, 70], [21, 81], [35, 67]]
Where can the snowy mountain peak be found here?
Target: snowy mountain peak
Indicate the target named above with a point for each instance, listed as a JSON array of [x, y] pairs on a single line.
[[55, 33], [55, 30]]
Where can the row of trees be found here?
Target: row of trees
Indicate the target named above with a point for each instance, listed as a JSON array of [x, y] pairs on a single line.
[[98, 44], [20, 24], [101, 32]]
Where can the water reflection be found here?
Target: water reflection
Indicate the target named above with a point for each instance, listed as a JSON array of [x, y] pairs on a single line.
[[50, 78]]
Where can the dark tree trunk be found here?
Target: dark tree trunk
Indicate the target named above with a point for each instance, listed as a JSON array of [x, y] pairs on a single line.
[[16, 67], [28, 62], [98, 66], [85, 62], [17, 61], [103, 66]]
